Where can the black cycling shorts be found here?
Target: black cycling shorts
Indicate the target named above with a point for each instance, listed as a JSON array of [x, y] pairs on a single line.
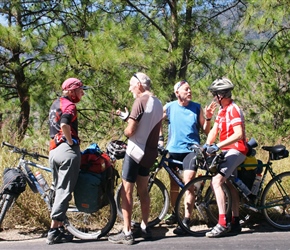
[[131, 169], [185, 158], [189, 162]]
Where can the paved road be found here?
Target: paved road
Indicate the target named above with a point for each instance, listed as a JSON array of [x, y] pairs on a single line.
[[260, 237], [276, 240]]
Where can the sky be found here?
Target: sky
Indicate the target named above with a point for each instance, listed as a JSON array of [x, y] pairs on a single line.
[[2, 20]]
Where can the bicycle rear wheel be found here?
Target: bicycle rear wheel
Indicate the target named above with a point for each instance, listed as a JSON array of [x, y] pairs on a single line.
[[92, 226], [276, 201], [204, 210], [6, 201], [159, 203]]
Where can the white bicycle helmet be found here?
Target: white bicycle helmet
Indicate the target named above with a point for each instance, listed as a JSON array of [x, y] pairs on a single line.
[[221, 85], [116, 149]]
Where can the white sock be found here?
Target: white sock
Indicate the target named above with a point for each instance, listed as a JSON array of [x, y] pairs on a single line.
[[143, 227], [127, 232]]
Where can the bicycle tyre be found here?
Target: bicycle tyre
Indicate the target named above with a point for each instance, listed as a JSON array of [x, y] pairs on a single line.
[[6, 201], [205, 211], [92, 226], [276, 201], [159, 204]]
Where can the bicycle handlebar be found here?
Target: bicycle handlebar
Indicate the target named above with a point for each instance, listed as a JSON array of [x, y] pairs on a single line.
[[161, 150], [23, 151]]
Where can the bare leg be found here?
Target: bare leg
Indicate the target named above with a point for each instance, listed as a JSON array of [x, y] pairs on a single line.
[[189, 195], [235, 200], [127, 204], [217, 182], [174, 190], [142, 184]]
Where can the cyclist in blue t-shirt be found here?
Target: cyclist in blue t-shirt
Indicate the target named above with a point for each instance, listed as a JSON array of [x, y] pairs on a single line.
[[185, 120]]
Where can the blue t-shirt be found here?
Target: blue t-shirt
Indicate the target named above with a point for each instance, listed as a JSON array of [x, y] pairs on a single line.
[[183, 126]]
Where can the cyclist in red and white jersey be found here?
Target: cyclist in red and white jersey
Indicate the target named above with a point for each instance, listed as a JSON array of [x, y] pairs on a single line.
[[230, 126]]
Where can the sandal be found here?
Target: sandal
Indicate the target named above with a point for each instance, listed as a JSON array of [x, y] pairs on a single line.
[[217, 231]]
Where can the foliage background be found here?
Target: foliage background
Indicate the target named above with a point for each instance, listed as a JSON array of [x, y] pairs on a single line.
[[105, 42]]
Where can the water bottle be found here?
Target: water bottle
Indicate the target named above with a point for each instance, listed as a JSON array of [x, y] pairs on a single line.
[[243, 187], [42, 182], [155, 165], [256, 184]]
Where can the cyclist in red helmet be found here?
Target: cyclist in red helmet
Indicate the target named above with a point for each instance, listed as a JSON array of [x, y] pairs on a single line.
[[64, 155]]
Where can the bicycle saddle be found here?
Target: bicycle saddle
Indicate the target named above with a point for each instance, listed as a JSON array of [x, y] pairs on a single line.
[[274, 149]]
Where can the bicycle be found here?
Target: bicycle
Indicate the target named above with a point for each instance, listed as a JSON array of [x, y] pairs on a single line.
[[85, 226], [159, 195], [272, 199]]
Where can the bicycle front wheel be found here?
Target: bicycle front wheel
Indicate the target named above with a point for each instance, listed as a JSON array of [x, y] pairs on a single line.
[[199, 204], [92, 226], [159, 203], [275, 201], [6, 201]]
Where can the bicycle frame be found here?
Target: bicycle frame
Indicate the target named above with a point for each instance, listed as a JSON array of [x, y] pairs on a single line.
[[165, 160], [163, 163], [32, 181]]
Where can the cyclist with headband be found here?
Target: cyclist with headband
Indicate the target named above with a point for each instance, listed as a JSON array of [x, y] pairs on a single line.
[[185, 120]]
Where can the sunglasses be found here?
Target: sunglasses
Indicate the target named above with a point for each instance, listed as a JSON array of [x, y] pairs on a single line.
[[220, 93], [137, 78]]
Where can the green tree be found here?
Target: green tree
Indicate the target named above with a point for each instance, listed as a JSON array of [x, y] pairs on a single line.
[[267, 70], [105, 42], [21, 55]]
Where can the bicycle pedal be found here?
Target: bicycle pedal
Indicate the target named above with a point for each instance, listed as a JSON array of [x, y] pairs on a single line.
[[250, 207]]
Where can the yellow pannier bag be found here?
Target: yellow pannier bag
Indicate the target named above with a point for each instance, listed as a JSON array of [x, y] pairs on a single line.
[[249, 164]]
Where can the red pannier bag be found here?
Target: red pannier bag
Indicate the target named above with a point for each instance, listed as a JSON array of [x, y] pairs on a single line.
[[94, 160]]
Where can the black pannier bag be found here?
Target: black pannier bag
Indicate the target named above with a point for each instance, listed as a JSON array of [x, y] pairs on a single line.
[[14, 181], [90, 193]]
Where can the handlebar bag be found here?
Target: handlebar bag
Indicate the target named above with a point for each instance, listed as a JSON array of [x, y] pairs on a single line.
[[14, 181]]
